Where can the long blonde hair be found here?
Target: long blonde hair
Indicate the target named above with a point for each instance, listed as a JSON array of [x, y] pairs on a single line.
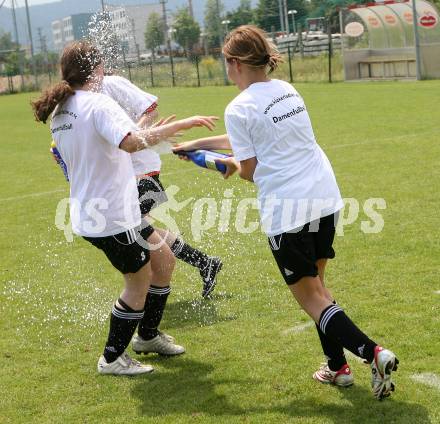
[[249, 45]]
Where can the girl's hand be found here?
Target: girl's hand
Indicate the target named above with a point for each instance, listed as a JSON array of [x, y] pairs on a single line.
[[198, 121], [163, 121], [232, 166], [186, 146]]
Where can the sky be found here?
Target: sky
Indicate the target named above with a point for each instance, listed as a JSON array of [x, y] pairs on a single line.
[[20, 3]]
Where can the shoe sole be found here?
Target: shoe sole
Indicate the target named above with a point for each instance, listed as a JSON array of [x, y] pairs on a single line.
[[332, 382], [391, 366], [140, 352], [219, 267], [126, 375]]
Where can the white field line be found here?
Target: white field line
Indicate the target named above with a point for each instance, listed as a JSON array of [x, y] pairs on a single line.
[[183, 171], [380, 140], [428, 379], [437, 292], [46, 193], [298, 328], [26, 196]]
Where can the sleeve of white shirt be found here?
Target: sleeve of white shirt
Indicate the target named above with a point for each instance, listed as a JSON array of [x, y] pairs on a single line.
[[239, 135], [130, 97], [111, 122]]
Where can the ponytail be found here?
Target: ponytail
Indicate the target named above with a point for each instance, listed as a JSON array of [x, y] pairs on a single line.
[[45, 105], [274, 60]]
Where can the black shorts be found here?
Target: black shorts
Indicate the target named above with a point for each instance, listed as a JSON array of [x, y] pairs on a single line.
[[151, 193], [296, 253], [126, 251]]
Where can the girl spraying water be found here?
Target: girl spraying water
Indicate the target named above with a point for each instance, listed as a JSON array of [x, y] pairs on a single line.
[[274, 146]]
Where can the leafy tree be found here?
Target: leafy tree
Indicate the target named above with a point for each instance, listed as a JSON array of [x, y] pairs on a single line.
[[213, 26], [243, 15], [329, 10], [6, 42], [12, 64], [154, 32], [187, 29], [267, 13]]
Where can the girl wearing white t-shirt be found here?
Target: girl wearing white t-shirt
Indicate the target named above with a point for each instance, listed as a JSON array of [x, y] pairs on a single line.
[[94, 137], [141, 107], [274, 146]]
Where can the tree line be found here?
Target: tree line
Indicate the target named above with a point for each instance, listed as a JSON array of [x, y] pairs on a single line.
[[266, 14]]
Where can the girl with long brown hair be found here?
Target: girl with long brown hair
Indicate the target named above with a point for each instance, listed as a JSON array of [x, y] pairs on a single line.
[[94, 137]]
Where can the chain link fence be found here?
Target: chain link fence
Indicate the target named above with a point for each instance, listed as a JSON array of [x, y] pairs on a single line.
[[304, 61]]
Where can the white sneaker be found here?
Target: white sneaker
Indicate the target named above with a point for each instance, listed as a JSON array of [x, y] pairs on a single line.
[[171, 339], [123, 365], [341, 378], [383, 364], [160, 344]]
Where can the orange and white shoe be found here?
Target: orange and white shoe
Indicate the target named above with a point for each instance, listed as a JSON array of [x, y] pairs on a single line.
[[383, 364], [341, 378]]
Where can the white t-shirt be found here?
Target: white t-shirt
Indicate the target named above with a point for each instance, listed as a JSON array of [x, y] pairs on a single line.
[[295, 180], [87, 130], [135, 102]]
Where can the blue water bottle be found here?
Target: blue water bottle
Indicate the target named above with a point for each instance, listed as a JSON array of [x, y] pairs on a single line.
[[59, 160], [205, 158]]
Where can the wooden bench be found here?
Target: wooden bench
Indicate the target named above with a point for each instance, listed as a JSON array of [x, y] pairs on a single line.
[[388, 67]]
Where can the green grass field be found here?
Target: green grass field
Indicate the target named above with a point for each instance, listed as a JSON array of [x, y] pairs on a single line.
[[250, 351]]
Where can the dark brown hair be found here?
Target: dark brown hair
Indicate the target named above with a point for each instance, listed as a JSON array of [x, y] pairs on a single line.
[[249, 45], [78, 61]]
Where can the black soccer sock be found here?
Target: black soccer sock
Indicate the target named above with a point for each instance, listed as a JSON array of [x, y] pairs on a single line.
[[338, 326], [188, 254], [123, 322], [153, 311], [332, 349]]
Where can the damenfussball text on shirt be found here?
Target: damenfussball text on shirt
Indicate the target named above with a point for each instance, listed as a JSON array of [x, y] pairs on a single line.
[[105, 200], [296, 183]]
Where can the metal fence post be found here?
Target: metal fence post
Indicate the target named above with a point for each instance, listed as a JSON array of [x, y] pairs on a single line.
[[129, 72], [290, 63], [173, 78], [198, 71], [330, 51], [151, 72], [300, 41]]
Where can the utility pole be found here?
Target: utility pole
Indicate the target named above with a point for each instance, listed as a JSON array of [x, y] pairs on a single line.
[[133, 33], [286, 18], [42, 40], [34, 69], [190, 8], [417, 42], [280, 10], [220, 36], [43, 49], [165, 23], [102, 5], [168, 38], [17, 41]]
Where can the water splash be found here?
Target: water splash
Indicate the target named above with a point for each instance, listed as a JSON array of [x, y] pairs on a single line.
[[102, 34]]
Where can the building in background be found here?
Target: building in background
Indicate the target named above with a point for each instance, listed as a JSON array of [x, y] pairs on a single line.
[[130, 22], [70, 28]]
